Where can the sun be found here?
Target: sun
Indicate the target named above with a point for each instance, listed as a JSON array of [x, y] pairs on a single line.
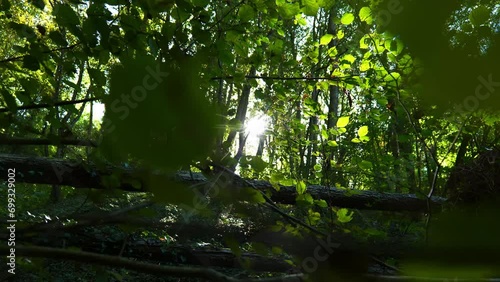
[[256, 126]]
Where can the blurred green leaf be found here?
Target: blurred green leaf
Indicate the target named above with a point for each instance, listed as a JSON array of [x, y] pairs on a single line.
[[246, 13], [332, 143], [156, 114], [342, 121], [347, 19], [344, 215], [300, 187], [31, 62], [10, 100], [325, 39], [364, 164], [310, 8], [363, 131], [65, 15], [365, 14], [479, 15]]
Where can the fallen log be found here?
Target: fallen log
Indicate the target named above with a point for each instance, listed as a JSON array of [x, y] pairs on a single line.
[[79, 174]]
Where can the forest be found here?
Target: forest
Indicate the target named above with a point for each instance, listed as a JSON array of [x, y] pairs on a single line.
[[250, 140]]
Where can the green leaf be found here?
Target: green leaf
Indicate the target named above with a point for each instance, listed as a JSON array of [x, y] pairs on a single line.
[[310, 8], [276, 250], [467, 27], [306, 198], [365, 165], [257, 197], [364, 138], [395, 46], [344, 216], [288, 10], [392, 77], [332, 52], [276, 47], [65, 15], [301, 187], [332, 143], [350, 58], [23, 31], [317, 167], [324, 134], [347, 19], [233, 36], [258, 164], [365, 65], [58, 38], [362, 131], [103, 57], [31, 86], [374, 232], [200, 3], [233, 245], [128, 22], [479, 15], [365, 14], [313, 217], [355, 140], [241, 49], [246, 13], [286, 182], [340, 34], [299, 19], [31, 63], [96, 76], [10, 100], [326, 39], [364, 42], [276, 177], [342, 121], [324, 86], [321, 203], [167, 118]]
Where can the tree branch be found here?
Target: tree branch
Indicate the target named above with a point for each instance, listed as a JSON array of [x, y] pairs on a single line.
[[61, 103], [284, 78], [45, 141], [113, 261], [12, 59]]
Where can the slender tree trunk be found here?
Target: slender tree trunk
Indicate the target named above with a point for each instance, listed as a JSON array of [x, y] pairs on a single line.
[[241, 113]]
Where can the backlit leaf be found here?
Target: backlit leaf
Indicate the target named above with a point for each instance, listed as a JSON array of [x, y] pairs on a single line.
[[342, 121], [362, 131], [344, 215], [325, 39], [347, 19], [365, 14], [300, 187]]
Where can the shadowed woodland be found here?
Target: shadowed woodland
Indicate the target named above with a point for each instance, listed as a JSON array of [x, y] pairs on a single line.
[[252, 140]]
